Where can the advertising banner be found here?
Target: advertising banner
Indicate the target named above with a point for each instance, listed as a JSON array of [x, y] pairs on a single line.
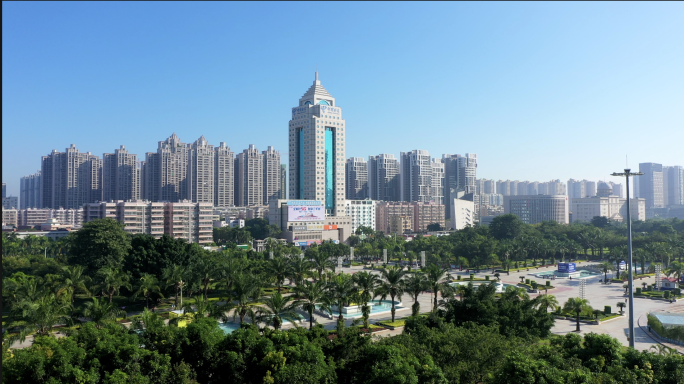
[[305, 213], [329, 227], [567, 267]]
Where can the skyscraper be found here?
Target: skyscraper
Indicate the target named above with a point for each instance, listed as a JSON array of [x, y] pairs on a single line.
[[120, 176], [70, 179], [224, 176], [200, 173], [249, 178], [317, 150], [29, 195], [416, 175], [673, 185], [383, 175], [4, 190], [651, 185], [283, 181], [271, 179], [357, 178], [437, 182]]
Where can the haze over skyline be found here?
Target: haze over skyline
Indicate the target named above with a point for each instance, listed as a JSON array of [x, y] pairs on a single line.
[[537, 91]]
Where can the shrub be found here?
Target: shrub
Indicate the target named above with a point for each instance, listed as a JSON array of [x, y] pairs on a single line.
[[548, 283], [638, 291], [534, 284], [607, 310], [472, 276], [527, 281], [487, 277], [458, 277], [677, 292], [666, 294]]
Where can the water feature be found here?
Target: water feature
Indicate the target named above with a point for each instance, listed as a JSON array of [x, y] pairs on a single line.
[[500, 287], [579, 274], [229, 327], [376, 307]]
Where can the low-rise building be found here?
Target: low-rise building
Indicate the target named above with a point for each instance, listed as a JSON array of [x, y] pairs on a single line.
[[9, 217], [533, 209], [304, 222], [362, 213], [607, 205]]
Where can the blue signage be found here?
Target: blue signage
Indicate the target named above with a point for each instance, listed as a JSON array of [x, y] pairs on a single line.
[[567, 267]]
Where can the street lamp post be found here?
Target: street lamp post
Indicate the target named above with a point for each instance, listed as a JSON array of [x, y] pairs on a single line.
[[627, 174]]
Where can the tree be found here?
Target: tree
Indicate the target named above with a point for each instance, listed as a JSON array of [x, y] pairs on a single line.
[[506, 226], [99, 311], [600, 222], [367, 283], [38, 315], [98, 244], [298, 269], [434, 274], [173, 276], [278, 268], [605, 267], [342, 292], [393, 284], [260, 229], [321, 261], [414, 286], [245, 288], [147, 285], [110, 281], [203, 307], [277, 308], [577, 306], [677, 269], [73, 280], [621, 305], [311, 294], [546, 302]]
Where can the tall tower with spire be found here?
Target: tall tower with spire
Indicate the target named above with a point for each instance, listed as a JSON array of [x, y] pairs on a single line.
[[317, 150]]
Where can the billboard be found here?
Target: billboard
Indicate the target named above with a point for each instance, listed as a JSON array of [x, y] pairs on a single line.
[[305, 213], [567, 267]]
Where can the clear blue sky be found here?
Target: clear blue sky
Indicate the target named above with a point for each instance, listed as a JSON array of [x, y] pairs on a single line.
[[537, 90]]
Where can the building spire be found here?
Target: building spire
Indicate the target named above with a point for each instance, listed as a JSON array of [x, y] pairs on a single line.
[[317, 75]]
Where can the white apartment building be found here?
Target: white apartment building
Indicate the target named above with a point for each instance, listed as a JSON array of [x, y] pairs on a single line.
[[383, 178], [607, 205], [249, 177], [271, 179], [120, 176], [356, 170], [462, 212], [200, 174], [224, 176], [361, 212], [533, 209], [9, 217], [189, 221]]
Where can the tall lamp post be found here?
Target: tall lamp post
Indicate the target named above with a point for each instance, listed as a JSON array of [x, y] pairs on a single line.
[[630, 290]]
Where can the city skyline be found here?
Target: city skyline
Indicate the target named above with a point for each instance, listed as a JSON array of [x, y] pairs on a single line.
[[497, 92]]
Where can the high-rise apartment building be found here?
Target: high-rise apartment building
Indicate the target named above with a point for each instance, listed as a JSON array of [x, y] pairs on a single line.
[[503, 187], [383, 175], [70, 179], [357, 178], [224, 176], [416, 176], [200, 173], [120, 175], [651, 185], [317, 150], [30, 190], [271, 179], [165, 172], [460, 174], [10, 202], [437, 182], [590, 188], [249, 177]]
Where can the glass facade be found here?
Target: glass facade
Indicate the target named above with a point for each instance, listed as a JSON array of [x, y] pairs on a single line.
[[300, 166], [329, 170]]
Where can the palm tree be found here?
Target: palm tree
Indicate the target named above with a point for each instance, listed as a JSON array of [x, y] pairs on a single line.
[[204, 271], [246, 287], [367, 283], [299, 269], [148, 285], [677, 269], [621, 305], [577, 306], [203, 307], [414, 286], [434, 274], [39, 316], [605, 267], [278, 268], [173, 275], [278, 308], [110, 281], [147, 320], [321, 261], [100, 311], [393, 284], [546, 302], [73, 280], [311, 294], [342, 292]]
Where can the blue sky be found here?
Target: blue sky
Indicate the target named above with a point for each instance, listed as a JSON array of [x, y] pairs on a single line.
[[538, 90]]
